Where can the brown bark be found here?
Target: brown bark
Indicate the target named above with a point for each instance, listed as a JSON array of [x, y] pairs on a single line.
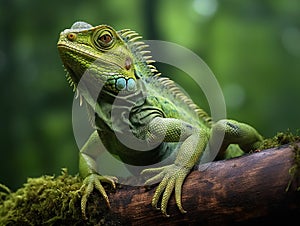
[[249, 189]]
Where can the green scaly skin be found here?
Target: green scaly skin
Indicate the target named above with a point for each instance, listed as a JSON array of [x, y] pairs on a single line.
[[156, 113]]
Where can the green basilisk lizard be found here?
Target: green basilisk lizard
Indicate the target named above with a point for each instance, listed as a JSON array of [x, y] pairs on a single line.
[[129, 103]]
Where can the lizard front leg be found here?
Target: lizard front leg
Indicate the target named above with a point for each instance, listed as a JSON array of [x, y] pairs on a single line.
[[194, 141], [88, 171]]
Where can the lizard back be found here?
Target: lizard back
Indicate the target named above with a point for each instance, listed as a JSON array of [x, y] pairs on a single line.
[[162, 87]]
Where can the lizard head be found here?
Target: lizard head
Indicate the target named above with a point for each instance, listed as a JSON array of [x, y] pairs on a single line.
[[102, 52]]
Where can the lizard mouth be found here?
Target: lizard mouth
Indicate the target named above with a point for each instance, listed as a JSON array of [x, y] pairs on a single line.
[[69, 58]]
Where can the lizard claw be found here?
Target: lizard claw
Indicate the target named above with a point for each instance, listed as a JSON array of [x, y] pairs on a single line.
[[172, 178], [94, 181]]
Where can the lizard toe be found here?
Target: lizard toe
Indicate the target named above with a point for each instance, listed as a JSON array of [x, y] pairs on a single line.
[[91, 182]]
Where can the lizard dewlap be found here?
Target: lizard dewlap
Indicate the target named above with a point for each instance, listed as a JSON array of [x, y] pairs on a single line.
[[139, 117]]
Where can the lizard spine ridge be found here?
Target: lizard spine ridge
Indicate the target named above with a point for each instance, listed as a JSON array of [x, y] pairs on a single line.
[[152, 76]]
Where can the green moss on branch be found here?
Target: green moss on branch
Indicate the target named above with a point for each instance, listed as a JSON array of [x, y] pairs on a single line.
[[49, 200]]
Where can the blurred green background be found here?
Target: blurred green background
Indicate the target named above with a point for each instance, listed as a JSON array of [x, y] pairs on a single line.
[[253, 48]]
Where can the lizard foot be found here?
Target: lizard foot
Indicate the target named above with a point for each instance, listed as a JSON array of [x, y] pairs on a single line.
[[94, 181], [171, 177]]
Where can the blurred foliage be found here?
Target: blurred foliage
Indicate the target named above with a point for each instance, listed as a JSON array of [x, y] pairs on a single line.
[[251, 46]]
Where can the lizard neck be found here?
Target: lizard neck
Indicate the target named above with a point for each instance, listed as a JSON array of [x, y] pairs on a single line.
[[114, 108]]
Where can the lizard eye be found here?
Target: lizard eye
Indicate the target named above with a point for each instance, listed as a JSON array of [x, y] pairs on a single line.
[[105, 39]]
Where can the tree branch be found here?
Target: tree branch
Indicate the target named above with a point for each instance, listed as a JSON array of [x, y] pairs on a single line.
[[250, 189]]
